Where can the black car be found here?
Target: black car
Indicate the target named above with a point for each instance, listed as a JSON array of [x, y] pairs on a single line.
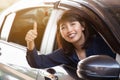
[[15, 21]]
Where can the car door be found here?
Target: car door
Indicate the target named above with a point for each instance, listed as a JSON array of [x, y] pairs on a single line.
[[15, 23]]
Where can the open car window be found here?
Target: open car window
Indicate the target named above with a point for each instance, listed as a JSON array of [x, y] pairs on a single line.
[[24, 21]]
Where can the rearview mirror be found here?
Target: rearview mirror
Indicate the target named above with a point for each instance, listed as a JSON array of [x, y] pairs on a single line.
[[98, 67]]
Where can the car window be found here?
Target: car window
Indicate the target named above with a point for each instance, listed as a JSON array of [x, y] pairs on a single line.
[[24, 21]]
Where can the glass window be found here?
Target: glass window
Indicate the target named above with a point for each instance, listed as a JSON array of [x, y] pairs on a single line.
[[24, 21]]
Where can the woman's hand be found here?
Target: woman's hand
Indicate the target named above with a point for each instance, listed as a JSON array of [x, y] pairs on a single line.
[[31, 36]]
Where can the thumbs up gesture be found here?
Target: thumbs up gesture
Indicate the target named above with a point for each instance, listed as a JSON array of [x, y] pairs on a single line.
[[35, 26], [31, 36]]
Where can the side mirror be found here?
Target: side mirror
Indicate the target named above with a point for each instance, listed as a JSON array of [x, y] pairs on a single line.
[[98, 67]]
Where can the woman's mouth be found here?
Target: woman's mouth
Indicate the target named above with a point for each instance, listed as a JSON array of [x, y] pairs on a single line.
[[71, 35]]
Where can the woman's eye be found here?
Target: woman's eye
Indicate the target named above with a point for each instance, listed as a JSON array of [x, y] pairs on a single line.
[[72, 24], [62, 28]]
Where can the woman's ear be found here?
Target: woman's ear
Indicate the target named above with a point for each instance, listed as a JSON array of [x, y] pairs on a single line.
[[83, 28]]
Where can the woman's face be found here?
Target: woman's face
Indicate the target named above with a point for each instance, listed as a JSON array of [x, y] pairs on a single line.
[[71, 31]]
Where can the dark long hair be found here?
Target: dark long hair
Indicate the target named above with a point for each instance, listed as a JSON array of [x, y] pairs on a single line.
[[73, 15]]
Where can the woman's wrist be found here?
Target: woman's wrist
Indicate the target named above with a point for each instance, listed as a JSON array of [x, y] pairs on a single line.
[[30, 45]]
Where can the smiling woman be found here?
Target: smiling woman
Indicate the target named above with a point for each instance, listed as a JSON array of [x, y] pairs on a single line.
[[18, 19], [76, 38]]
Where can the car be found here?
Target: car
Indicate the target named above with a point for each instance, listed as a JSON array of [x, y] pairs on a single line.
[[15, 21]]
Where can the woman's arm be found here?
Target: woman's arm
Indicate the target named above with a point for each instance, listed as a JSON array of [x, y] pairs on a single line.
[[31, 36], [30, 58], [44, 61]]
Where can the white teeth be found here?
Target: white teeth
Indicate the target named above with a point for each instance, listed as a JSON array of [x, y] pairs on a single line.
[[71, 35]]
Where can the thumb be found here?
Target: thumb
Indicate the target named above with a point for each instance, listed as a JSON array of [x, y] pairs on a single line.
[[35, 26]]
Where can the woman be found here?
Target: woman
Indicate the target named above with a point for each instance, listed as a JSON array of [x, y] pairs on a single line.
[[76, 38]]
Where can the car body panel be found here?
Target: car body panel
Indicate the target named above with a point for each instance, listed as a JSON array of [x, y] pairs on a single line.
[[13, 54], [15, 72], [8, 73]]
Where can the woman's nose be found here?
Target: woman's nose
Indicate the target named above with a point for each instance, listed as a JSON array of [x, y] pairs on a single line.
[[69, 28]]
